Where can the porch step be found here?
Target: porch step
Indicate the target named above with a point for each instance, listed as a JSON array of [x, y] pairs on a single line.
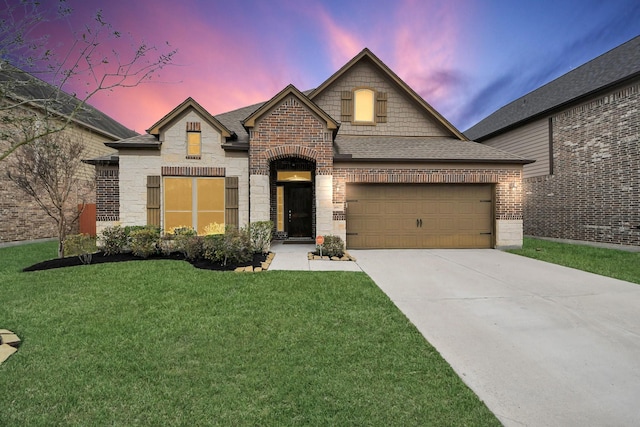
[[299, 241]]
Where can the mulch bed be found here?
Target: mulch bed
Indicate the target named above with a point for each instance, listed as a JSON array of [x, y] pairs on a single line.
[[100, 258]]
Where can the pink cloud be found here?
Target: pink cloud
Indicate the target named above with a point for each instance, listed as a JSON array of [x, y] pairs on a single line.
[[220, 68], [343, 44], [225, 63], [425, 43]]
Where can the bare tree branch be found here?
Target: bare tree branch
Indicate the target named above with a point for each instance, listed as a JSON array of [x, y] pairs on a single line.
[[35, 90], [48, 170]]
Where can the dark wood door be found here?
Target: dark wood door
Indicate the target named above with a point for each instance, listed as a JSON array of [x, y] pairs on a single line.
[[297, 200]]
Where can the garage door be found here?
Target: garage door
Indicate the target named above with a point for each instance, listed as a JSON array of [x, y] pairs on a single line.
[[419, 216]]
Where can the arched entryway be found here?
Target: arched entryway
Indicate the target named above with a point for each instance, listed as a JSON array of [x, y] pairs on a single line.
[[293, 206]]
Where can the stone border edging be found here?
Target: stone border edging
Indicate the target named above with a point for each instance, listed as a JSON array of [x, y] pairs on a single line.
[[346, 257], [9, 343], [264, 267]]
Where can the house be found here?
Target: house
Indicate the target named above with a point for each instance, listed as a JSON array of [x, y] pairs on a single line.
[[20, 217], [361, 156], [583, 130]]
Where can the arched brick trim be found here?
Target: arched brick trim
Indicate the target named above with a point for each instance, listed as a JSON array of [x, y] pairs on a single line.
[[283, 151]]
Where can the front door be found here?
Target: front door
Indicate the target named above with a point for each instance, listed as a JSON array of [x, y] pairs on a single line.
[[297, 200]]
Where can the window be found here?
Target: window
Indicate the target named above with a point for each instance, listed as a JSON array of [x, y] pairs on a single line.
[[194, 140], [364, 100], [280, 207], [193, 202]]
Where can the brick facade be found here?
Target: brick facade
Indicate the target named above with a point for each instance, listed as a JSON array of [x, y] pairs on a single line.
[[594, 191], [23, 219], [508, 188], [290, 130], [20, 218], [108, 193]]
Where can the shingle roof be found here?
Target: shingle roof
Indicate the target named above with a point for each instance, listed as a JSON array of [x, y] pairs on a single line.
[[233, 120], [189, 103], [139, 141], [439, 149], [27, 87], [614, 66]]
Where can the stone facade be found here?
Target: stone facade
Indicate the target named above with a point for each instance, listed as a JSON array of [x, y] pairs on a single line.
[[172, 160], [594, 191]]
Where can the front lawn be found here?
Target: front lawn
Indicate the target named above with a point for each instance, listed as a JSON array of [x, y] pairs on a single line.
[[164, 343], [606, 262]]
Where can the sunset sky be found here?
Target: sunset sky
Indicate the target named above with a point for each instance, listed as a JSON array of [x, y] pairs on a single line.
[[466, 58]]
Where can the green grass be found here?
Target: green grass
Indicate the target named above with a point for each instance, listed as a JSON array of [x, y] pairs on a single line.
[[606, 262], [163, 343]]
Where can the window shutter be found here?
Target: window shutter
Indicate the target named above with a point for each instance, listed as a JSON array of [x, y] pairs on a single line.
[[153, 200], [193, 126], [231, 201], [347, 106], [381, 107]]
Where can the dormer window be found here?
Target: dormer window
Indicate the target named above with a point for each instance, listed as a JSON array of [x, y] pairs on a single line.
[[194, 140], [363, 108]]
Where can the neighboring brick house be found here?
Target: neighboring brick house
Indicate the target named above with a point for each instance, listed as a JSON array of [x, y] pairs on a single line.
[[583, 129], [362, 156], [20, 217]]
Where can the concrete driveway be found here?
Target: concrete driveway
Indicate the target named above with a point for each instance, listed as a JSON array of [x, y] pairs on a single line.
[[540, 344]]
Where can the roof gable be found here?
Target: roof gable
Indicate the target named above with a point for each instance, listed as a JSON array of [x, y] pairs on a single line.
[[187, 104], [365, 55], [290, 90], [609, 69]]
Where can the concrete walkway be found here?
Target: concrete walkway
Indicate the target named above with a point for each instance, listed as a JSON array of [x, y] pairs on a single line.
[[540, 344], [294, 257]]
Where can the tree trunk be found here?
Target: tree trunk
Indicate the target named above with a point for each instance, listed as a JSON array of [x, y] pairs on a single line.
[[61, 237]]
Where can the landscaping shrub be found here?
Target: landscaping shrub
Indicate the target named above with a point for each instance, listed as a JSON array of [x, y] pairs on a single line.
[[131, 228], [81, 245], [186, 241], [145, 241], [167, 245], [191, 247], [213, 247], [113, 240], [234, 247], [333, 246], [260, 235], [237, 246]]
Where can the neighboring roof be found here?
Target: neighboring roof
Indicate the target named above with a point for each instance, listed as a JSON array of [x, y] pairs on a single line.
[[366, 54], [614, 67], [435, 149], [290, 90], [109, 159], [138, 141], [27, 87], [186, 104]]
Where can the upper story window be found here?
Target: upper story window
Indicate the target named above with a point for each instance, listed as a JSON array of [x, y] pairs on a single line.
[[364, 106], [194, 140]]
